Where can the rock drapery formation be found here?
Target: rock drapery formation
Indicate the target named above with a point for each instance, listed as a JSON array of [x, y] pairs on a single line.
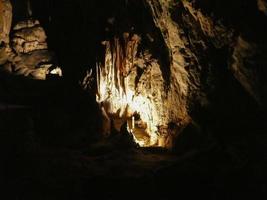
[[191, 36], [130, 88], [132, 84]]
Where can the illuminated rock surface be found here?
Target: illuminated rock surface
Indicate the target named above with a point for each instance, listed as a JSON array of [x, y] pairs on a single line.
[[26, 53], [5, 20], [132, 92]]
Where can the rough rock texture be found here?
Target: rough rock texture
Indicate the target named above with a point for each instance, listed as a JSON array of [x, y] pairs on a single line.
[[178, 88], [248, 67], [28, 54], [178, 84], [28, 36], [5, 25], [200, 45], [5, 20], [29, 43], [208, 31]]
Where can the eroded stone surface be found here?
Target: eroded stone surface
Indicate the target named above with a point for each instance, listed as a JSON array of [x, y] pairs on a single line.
[[28, 38], [28, 53], [5, 20]]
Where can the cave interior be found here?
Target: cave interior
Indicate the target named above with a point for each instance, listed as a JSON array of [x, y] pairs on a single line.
[[133, 99]]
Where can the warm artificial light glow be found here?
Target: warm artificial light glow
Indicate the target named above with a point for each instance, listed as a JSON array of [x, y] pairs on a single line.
[[119, 100], [56, 71], [122, 102]]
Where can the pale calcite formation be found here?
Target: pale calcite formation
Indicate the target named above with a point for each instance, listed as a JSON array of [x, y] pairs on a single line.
[[125, 96], [131, 88]]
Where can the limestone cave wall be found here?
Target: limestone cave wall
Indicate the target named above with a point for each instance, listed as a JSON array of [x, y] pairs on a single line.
[[201, 62]]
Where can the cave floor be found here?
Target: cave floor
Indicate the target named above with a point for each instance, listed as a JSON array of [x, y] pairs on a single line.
[[107, 172], [50, 165]]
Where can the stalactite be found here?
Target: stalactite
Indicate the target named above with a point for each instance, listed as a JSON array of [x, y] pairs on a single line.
[[113, 89]]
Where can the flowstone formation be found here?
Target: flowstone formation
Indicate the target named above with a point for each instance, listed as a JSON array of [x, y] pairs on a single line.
[[131, 89]]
